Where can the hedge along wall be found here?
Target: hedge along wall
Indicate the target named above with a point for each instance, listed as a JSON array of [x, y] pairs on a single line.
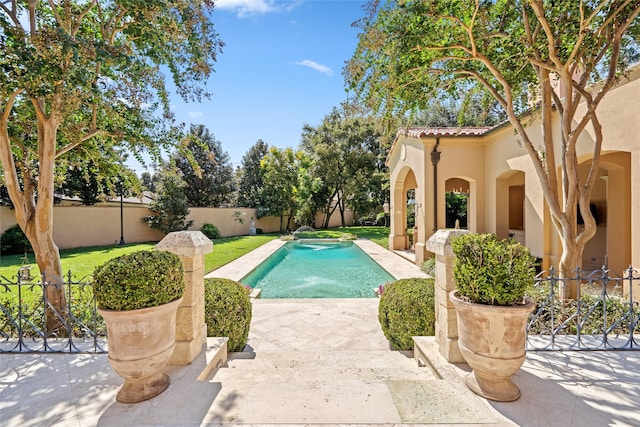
[[79, 226]]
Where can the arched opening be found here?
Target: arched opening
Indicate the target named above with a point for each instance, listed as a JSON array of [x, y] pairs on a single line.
[[403, 210], [457, 192], [610, 206]]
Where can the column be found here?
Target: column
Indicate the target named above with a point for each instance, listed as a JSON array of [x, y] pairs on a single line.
[[191, 330], [446, 320]]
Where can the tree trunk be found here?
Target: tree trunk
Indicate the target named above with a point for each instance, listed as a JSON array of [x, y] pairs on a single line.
[[36, 218]]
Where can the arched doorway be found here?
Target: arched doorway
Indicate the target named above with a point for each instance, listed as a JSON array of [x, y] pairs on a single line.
[[403, 204]]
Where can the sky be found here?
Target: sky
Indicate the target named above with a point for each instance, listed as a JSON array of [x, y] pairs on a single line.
[[281, 68]]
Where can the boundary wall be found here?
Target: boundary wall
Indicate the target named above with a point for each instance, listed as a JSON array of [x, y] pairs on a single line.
[[80, 226]]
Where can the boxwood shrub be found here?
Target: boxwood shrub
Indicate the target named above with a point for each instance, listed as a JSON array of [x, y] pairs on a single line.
[[227, 311], [407, 309], [210, 230], [138, 280]]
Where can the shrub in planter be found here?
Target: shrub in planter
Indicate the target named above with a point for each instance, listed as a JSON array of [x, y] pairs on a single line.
[[492, 271], [210, 230], [227, 311], [407, 309], [138, 296], [138, 280], [492, 277]]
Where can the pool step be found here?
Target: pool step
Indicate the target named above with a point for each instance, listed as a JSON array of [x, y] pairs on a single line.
[[338, 365]]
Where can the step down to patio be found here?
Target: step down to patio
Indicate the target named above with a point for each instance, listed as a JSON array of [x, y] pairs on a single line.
[[338, 365], [338, 387]]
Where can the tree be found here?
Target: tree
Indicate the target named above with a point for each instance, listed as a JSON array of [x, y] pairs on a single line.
[[149, 181], [519, 52], [206, 169], [82, 181], [280, 180], [345, 149], [250, 176], [307, 190], [85, 77], [170, 207]]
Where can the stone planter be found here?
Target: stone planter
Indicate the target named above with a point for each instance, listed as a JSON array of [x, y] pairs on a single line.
[[140, 344], [492, 339]]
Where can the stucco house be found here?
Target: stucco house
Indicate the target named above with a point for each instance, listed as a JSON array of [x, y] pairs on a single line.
[[504, 194]]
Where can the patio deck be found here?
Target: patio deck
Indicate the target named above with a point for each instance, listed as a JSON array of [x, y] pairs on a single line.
[[321, 362]]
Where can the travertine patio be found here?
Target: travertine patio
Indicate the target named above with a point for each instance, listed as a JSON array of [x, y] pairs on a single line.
[[323, 362]]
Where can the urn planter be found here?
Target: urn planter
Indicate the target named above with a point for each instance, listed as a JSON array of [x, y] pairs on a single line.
[[492, 339], [138, 296], [140, 344]]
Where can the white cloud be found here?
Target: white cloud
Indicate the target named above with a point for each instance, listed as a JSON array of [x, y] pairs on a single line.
[[315, 66], [195, 114], [247, 8]]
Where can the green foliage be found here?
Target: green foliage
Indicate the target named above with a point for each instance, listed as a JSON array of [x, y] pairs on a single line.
[[349, 155], [170, 207], [210, 230], [429, 266], [280, 179], [100, 74], [250, 177], [456, 209], [406, 310], [13, 241], [206, 170], [227, 309], [139, 280], [492, 271], [519, 53], [592, 312]]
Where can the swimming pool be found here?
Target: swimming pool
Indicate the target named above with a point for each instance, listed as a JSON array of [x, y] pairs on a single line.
[[318, 269]]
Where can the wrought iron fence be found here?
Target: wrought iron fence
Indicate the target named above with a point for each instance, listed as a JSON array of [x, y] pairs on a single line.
[[602, 314], [31, 323]]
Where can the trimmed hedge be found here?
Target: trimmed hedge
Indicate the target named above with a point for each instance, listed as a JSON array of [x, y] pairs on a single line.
[[138, 280], [210, 230], [227, 311], [406, 310]]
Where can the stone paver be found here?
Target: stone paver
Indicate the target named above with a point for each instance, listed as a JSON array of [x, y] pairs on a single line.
[[321, 362]]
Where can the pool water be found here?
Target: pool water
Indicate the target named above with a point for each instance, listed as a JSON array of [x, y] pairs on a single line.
[[318, 269]]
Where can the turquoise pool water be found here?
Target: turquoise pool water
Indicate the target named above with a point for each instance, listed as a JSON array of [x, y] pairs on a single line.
[[318, 269]]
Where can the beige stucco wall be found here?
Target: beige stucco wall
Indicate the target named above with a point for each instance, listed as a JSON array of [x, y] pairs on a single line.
[[80, 226]]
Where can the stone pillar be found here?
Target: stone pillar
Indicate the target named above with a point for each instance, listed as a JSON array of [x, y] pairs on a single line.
[[446, 320], [191, 330]]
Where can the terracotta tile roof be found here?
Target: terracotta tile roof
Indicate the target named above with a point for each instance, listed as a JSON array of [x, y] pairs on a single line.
[[444, 131]]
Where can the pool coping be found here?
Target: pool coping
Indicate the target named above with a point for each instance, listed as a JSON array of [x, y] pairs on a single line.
[[394, 264]]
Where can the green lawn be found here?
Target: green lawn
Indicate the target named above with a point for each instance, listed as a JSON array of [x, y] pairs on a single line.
[[379, 235], [82, 261]]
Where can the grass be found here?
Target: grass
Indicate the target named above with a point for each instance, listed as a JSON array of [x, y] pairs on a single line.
[[379, 235], [82, 261]]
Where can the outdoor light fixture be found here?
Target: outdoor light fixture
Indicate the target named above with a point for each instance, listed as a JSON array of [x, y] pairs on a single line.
[[121, 212]]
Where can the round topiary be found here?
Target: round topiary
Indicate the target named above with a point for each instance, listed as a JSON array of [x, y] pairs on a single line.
[[227, 311], [406, 310], [210, 230], [138, 280]]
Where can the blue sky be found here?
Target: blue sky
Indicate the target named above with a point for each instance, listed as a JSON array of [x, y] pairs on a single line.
[[281, 68]]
